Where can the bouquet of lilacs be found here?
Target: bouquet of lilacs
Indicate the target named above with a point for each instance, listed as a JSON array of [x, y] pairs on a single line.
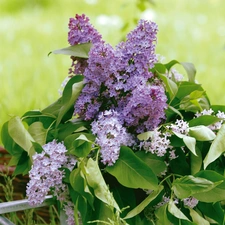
[[129, 141]]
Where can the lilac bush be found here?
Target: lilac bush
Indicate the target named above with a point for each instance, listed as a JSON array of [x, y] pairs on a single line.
[[129, 141]]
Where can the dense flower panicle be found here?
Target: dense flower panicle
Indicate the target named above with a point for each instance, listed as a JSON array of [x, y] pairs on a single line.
[[145, 109], [158, 144], [45, 172], [99, 69], [112, 75], [110, 136], [139, 49], [180, 126], [82, 31]]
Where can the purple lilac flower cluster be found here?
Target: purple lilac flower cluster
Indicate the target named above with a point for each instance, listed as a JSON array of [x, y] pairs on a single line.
[[46, 173], [81, 31], [119, 78], [110, 136]]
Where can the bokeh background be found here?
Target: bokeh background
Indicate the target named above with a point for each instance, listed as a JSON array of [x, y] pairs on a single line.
[[189, 30]]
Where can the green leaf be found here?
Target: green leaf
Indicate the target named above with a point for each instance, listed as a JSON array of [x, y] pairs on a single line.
[[155, 162], [38, 132], [103, 214], [20, 135], [189, 186], [170, 111], [53, 109], [171, 86], [212, 212], [170, 64], [172, 208], [137, 210], [37, 147], [190, 69], [24, 164], [203, 120], [125, 197], [79, 144], [68, 142], [197, 218], [190, 142], [83, 145], [185, 88], [79, 184], [201, 133], [217, 147], [194, 102], [196, 161], [68, 128], [161, 215], [160, 68], [96, 181], [69, 96], [215, 194], [136, 174], [217, 108], [145, 136], [9, 143], [79, 50]]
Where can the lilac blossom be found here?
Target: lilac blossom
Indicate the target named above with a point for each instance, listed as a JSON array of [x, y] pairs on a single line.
[[46, 172], [191, 202], [82, 31], [78, 66], [158, 143], [118, 78], [180, 126], [94, 93], [204, 112], [110, 136], [219, 115], [145, 109], [69, 210], [138, 52]]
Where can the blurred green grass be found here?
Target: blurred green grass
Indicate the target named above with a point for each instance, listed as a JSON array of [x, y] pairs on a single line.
[[192, 31]]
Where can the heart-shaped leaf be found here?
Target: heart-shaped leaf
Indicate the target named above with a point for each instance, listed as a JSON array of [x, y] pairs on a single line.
[[132, 172]]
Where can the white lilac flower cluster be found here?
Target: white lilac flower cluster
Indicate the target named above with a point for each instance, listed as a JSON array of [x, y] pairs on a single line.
[[219, 115], [158, 143], [180, 126]]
